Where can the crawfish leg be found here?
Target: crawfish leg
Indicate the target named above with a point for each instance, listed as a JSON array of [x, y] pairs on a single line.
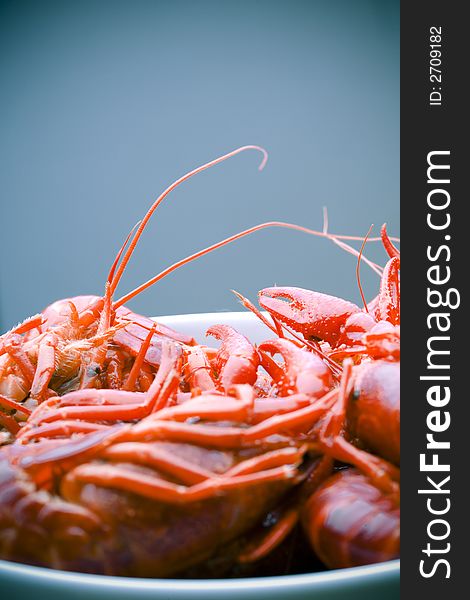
[[155, 488], [383, 474], [9, 423], [113, 405], [288, 517], [189, 473], [45, 367], [139, 361], [8, 404], [230, 437], [114, 372], [214, 407], [198, 371], [14, 347], [272, 539], [152, 456], [62, 428], [268, 460], [145, 378]]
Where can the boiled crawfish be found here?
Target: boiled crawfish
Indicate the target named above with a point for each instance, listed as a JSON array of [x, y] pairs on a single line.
[[353, 517], [136, 451]]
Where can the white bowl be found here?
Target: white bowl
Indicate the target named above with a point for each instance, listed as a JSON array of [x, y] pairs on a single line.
[[196, 325]]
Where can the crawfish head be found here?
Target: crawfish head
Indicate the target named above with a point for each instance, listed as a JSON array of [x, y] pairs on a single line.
[[84, 309], [314, 315], [373, 411]]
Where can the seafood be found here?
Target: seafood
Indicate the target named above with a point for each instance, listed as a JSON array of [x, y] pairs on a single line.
[[353, 519], [373, 532], [132, 449]]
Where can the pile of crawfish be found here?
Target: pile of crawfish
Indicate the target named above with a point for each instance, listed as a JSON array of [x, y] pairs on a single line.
[[131, 449]]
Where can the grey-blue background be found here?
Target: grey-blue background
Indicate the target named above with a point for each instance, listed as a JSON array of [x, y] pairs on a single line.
[[105, 103]]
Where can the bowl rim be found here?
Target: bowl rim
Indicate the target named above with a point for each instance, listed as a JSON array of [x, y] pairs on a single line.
[[320, 578]]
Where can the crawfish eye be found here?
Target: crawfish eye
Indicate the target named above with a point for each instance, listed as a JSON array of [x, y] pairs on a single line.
[[355, 395], [314, 338]]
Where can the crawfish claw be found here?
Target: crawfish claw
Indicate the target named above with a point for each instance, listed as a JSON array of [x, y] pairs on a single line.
[[314, 315]]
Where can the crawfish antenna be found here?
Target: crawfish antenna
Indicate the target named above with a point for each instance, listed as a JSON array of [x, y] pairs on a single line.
[[325, 220], [169, 189], [358, 269], [119, 254], [229, 240]]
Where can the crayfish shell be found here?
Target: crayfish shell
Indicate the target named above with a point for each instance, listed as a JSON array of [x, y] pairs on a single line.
[[134, 535], [374, 408], [349, 522]]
